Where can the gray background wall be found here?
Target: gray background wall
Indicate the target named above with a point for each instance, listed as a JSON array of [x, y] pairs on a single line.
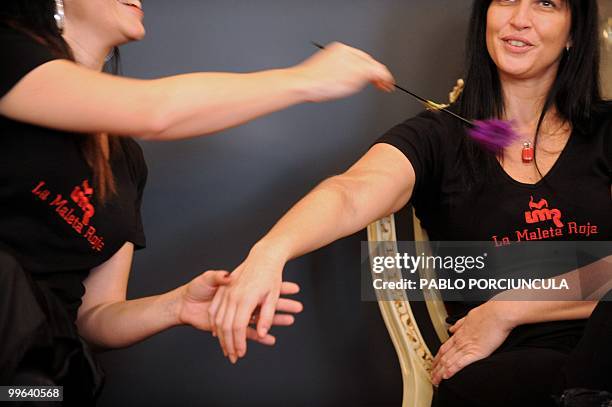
[[209, 199]]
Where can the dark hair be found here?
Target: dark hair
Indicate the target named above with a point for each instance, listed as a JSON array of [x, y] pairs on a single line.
[[35, 18], [575, 93]]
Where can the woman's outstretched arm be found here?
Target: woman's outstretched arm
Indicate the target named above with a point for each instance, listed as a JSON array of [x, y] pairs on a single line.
[[63, 95], [380, 183], [107, 320]]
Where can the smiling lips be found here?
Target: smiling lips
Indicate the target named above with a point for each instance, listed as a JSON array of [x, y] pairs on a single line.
[[132, 4], [517, 44]]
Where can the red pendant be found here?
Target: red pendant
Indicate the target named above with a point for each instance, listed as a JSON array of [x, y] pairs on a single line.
[[527, 153]]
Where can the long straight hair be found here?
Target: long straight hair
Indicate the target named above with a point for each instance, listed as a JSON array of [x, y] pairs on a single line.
[[575, 92], [35, 18]]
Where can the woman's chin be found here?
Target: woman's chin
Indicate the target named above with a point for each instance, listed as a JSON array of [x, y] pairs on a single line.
[[134, 34], [516, 71]]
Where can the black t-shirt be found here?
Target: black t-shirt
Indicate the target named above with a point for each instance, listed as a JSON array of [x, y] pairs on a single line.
[[50, 215], [576, 191]]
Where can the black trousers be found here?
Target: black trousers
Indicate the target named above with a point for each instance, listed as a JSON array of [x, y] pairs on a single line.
[[39, 343], [528, 371]]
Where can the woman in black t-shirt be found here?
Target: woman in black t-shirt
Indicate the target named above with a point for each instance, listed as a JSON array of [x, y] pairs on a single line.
[[71, 182], [535, 63]]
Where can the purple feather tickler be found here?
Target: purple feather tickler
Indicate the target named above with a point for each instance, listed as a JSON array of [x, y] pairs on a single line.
[[493, 135]]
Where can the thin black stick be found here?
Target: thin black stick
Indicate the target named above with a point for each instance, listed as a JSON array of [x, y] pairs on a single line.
[[421, 99], [466, 121]]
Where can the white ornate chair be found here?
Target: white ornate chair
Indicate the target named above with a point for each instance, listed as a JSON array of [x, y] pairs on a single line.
[[417, 328]]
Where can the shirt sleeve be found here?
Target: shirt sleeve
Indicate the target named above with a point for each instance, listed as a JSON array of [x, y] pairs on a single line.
[[21, 55], [421, 140]]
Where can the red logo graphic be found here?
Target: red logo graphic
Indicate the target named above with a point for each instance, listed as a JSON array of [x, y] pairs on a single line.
[[540, 213], [80, 195]]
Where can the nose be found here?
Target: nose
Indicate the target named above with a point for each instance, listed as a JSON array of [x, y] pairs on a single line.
[[521, 16]]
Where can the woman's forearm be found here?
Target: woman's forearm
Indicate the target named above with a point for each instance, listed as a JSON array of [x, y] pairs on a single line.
[[342, 205], [585, 286], [65, 96], [124, 323], [322, 216], [203, 103], [196, 104], [530, 312]]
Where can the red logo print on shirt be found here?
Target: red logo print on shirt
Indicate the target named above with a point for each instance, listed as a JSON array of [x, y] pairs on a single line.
[[81, 195], [540, 213]]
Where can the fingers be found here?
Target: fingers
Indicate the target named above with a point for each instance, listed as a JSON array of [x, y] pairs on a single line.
[[283, 320], [228, 330], [240, 324], [341, 71], [216, 278], [234, 305], [203, 287], [267, 314], [242, 332], [443, 350], [455, 364], [438, 359], [382, 78], [289, 288], [214, 307], [384, 86], [450, 365], [251, 334], [444, 363], [290, 306], [268, 340], [456, 326], [219, 323], [379, 74]]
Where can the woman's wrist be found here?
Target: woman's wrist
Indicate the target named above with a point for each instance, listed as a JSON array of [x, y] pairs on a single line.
[[174, 303], [275, 252], [508, 313], [301, 84]]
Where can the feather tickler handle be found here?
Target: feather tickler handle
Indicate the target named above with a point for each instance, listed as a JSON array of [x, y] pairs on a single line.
[[492, 135]]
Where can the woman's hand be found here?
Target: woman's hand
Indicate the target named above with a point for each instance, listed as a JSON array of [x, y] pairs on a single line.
[[255, 283], [339, 71], [196, 296], [474, 337]]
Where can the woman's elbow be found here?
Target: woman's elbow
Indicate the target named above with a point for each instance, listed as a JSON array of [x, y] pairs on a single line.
[[152, 115], [153, 125]]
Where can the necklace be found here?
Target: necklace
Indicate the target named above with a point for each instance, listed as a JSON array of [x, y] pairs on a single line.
[[527, 152]]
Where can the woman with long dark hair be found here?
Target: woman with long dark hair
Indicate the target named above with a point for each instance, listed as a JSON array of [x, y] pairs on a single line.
[[71, 181], [535, 63]]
